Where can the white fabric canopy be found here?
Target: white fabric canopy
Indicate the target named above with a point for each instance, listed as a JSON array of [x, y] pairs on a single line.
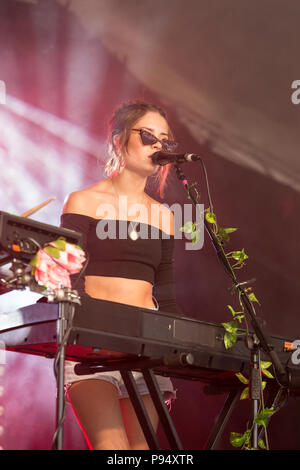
[[226, 66]]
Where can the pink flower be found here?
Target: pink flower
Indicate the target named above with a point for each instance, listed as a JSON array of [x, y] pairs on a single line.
[[55, 272], [72, 258]]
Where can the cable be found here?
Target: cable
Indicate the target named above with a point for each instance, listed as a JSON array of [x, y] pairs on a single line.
[[82, 270], [207, 186]]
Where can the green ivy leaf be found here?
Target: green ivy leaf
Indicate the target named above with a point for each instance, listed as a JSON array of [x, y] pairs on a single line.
[[34, 262], [261, 418], [267, 374], [230, 230], [60, 243], [245, 394], [230, 336], [229, 339], [191, 227], [230, 326], [195, 236], [242, 378], [52, 251], [238, 440], [211, 217], [239, 256], [239, 318], [261, 443], [264, 365], [253, 298], [236, 315], [224, 232], [233, 312], [188, 227]]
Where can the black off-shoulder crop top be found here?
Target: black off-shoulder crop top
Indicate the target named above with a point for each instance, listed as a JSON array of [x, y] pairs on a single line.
[[112, 253]]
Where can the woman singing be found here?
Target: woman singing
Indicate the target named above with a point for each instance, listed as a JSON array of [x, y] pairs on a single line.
[[137, 271]]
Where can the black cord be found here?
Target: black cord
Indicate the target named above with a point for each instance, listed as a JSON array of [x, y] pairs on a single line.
[[34, 242], [82, 271], [207, 186]]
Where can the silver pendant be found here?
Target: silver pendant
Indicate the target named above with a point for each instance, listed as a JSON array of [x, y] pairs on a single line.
[[134, 235]]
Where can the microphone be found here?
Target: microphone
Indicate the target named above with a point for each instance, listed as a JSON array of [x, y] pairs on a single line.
[[164, 158]]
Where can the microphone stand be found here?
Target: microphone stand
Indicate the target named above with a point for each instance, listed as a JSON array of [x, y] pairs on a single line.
[[261, 339]]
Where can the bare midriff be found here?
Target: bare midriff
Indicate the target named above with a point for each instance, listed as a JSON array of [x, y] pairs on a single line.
[[117, 289]]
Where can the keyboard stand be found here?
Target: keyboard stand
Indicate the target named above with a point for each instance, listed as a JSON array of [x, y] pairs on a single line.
[[140, 409], [218, 429], [162, 410]]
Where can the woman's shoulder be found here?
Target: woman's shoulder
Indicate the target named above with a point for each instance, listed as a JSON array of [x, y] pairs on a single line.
[[76, 202], [85, 201]]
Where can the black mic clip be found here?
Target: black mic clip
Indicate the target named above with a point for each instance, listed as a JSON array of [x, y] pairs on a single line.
[[165, 158]]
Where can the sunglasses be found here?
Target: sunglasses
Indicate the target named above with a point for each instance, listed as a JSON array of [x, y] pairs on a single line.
[[150, 139]]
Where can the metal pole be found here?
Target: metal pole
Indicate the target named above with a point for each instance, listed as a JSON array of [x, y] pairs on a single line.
[[60, 403]]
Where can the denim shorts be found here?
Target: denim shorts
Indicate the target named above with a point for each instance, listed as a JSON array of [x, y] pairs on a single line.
[[114, 377]]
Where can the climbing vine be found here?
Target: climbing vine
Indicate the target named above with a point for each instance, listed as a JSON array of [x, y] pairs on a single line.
[[237, 325]]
